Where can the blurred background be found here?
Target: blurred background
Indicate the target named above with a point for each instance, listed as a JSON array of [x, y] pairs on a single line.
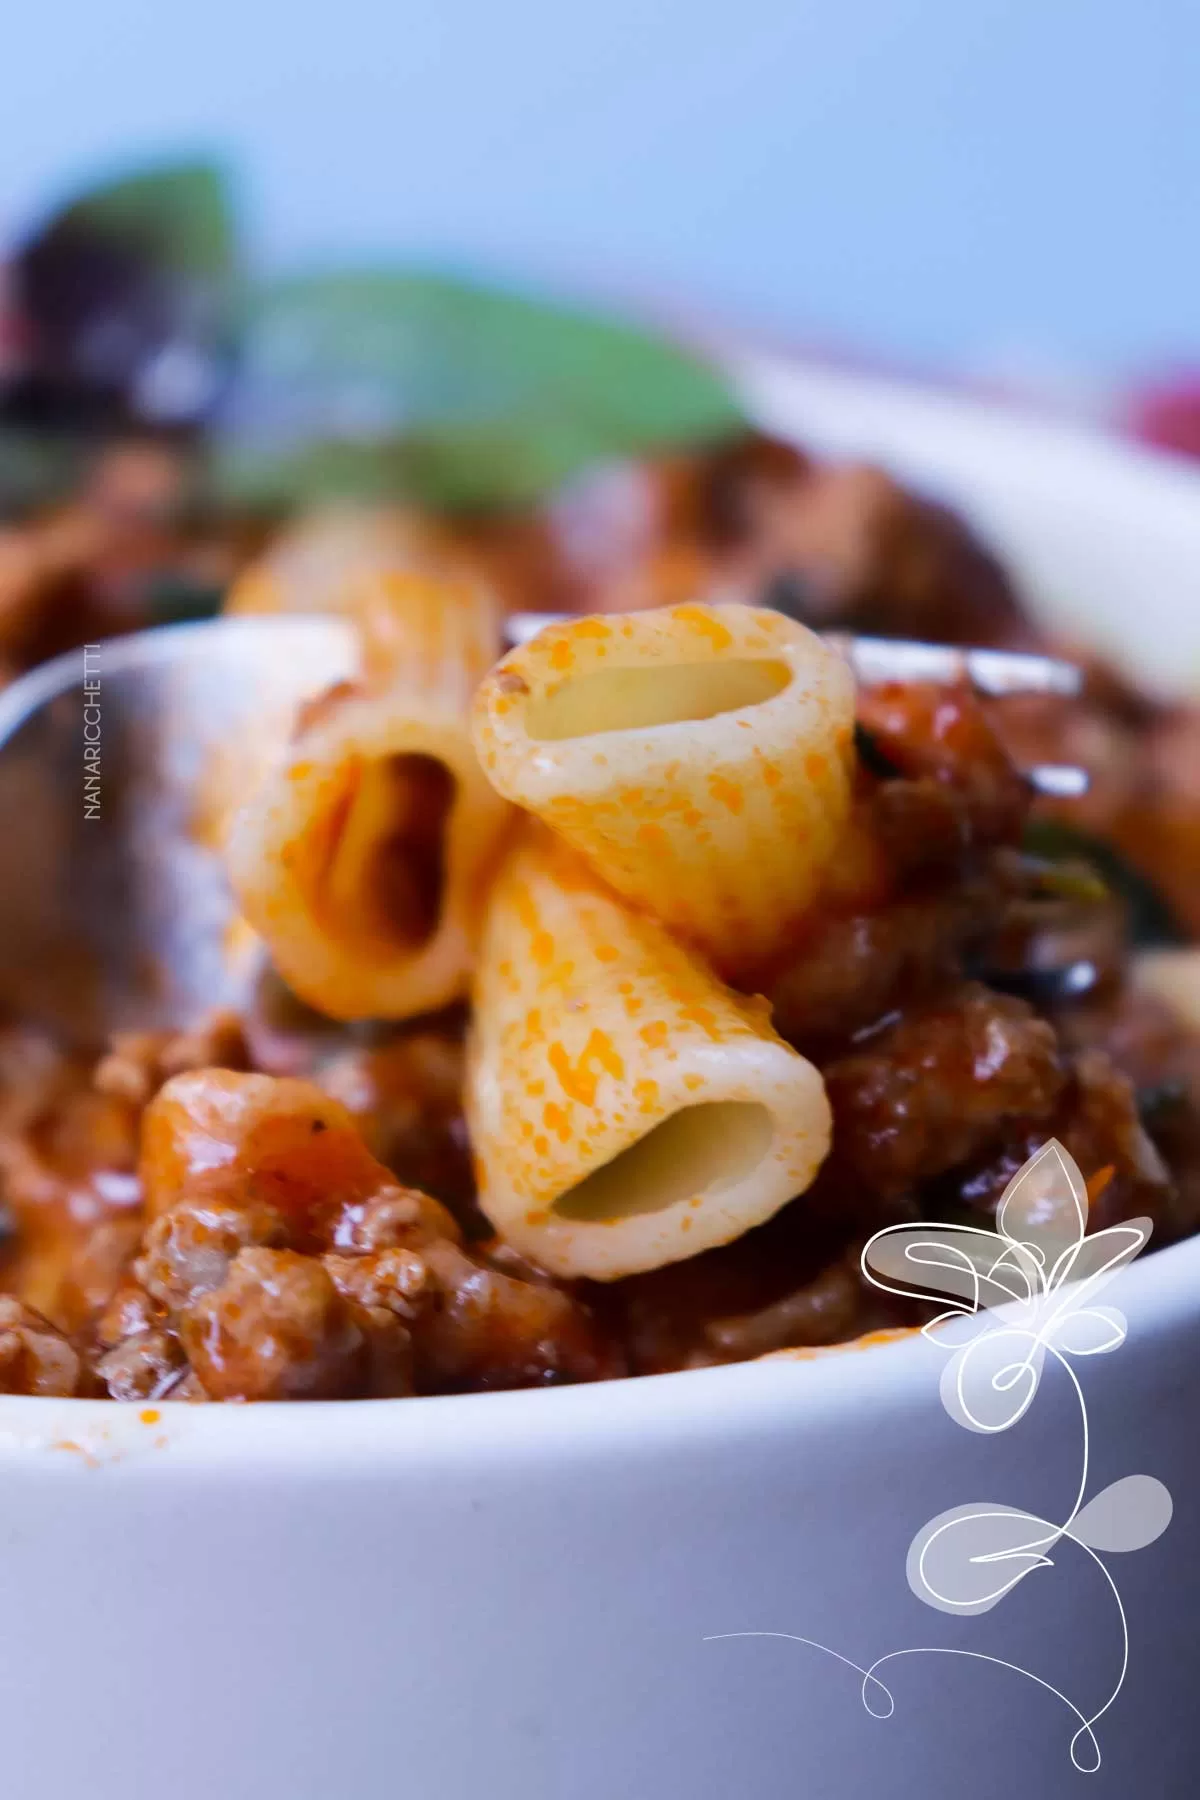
[[259, 257], [1007, 188]]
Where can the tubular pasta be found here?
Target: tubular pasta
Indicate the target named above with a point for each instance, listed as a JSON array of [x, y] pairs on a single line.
[[626, 1109], [698, 757], [362, 858], [355, 563], [312, 564], [309, 567]]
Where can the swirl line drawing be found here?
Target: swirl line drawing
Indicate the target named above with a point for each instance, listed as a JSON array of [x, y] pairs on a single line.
[[1021, 1295]]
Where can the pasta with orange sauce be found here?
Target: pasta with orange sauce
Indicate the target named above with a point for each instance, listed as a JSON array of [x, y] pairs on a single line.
[[315, 562], [698, 757], [362, 858], [626, 1109]]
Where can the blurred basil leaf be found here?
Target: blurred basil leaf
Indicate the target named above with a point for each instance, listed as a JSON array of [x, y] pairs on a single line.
[[178, 216], [1151, 919], [122, 304], [453, 393]]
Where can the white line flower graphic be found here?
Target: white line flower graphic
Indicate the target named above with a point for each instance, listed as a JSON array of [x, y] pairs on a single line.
[[1020, 1294], [1039, 1265]]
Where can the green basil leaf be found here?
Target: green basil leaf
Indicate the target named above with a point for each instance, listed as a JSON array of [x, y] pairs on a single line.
[[453, 393], [177, 216], [1151, 918]]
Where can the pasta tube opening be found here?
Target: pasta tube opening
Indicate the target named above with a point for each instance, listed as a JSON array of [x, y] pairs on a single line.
[[386, 869], [699, 758], [691, 1152], [630, 699], [363, 857], [626, 1109]]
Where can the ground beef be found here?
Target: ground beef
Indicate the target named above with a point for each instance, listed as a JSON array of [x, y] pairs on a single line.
[[393, 1218], [405, 1096], [851, 971], [281, 1143], [394, 1281], [283, 1035], [798, 1273], [875, 558], [275, 1329], [920, 880], [940, 1086], [131, 1312], [139, 1062], [1142, 1036], [746, 495], [389, 1354], [821, 1311], [961, 788], [187, 1251], [90, 1276], [622, 533], [1100, 1125], [67, 1182], [1161, 834], [1096, 1118], [289, 1264], [82, 1132], [146, 1366], [1143, 793], [487, 1329], [1046, 728], [34, 1357]]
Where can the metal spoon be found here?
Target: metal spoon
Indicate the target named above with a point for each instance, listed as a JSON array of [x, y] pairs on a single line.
[[114, 909]]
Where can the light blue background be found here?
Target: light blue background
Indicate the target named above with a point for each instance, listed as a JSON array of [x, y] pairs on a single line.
[[959, 181]]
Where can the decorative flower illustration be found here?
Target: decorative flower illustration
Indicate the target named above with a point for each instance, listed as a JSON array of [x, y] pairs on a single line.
[[1039, 1266], [1021, 1294]]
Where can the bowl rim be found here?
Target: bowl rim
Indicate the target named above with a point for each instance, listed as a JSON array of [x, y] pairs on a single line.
[[1161, 1290], [804, 1392]]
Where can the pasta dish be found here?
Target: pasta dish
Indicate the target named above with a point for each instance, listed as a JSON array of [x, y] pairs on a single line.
[[616, 988]]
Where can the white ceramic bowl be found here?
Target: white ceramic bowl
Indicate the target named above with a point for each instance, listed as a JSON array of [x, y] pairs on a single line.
[[517, 1595]]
